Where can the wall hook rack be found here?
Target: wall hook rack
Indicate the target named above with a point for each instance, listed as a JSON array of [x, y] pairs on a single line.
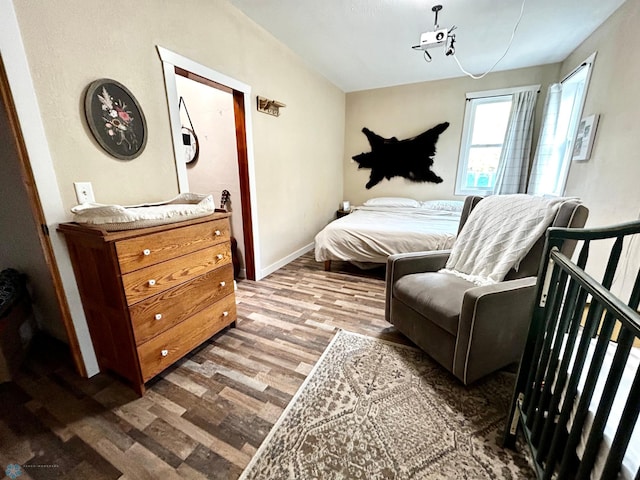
[[271, 107]]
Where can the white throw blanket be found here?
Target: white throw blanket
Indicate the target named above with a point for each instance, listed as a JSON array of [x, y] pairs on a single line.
[[498, 234]]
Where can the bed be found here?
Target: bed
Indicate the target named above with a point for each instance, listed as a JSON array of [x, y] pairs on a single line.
[[577, 394], [387, 225]]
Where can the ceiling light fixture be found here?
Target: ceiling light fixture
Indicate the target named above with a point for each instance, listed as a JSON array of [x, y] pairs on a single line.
[[445, 37]]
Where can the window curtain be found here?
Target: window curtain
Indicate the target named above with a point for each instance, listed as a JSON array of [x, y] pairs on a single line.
[[513, 166], [548, 160]]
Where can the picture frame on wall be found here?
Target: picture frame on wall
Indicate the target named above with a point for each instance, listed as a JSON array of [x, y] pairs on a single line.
[[115, 119], [584, 137]]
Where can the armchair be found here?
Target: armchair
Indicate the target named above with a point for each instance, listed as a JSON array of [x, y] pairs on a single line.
[[470, 330]]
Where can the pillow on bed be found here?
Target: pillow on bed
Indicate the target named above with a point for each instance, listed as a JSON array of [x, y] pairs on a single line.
[[445, 205], [391, 202]]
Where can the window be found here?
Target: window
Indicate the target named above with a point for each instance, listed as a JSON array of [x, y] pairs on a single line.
[[485, 125], [563, 110]]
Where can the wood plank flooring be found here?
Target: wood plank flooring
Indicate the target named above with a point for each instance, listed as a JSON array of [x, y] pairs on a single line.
[[205, 416]]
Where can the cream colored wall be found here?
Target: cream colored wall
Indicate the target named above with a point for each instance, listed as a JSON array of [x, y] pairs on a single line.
[[608, 182], [216, 169], [407, 110], [298, 156], [37, 149]]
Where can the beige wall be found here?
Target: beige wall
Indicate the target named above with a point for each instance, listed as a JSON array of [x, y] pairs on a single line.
[[608, 182], [407, 110], [298, 156]]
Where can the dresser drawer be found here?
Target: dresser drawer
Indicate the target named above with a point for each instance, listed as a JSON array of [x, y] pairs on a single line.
[[139, 252], [164, 349], [187, 263], [161, 312], [152, 280]]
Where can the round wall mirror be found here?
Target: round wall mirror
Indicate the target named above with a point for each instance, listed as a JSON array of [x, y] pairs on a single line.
[[191, 146]]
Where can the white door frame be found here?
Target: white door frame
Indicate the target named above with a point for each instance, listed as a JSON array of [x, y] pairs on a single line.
[[170, 60]]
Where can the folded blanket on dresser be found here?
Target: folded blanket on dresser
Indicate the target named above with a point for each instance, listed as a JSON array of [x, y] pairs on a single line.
[[499, 233]]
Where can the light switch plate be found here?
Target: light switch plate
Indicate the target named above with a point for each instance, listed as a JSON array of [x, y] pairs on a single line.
[[84, 192]]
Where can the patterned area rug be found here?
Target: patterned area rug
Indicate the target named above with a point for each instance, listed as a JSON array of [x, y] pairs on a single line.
[[376, 410]]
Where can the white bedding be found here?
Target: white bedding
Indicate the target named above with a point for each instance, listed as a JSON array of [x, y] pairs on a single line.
[[371, 234], [631, 460]]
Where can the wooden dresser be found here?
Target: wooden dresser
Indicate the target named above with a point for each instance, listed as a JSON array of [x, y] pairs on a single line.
[[152, 295]]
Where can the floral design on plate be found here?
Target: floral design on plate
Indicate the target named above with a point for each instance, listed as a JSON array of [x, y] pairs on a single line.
[[115, 119]]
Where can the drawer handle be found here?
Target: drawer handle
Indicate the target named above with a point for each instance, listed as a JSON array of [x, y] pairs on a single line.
[[146, 252], [158, 316], [152, 282], [164, 353], [225, 314], [219, 256], [222, 284], [218, 233]]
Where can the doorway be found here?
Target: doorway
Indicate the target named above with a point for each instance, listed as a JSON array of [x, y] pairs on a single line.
[[25, 235], [178, 68], [207, 114]]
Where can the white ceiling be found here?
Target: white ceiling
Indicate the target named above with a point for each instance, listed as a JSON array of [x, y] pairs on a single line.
[[363, 44]]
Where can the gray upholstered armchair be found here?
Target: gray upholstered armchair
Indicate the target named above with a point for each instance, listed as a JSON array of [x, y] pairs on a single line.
[[470, 330]]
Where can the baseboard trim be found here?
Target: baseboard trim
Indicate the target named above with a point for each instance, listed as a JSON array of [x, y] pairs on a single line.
[[289, 258]]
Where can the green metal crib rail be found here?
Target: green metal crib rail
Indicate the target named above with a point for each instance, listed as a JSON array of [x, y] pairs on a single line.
[[559, 333]]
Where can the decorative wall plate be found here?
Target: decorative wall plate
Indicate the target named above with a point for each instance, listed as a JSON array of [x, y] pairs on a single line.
[[115, 119]]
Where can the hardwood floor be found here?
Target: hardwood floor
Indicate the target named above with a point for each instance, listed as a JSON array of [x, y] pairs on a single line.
[[205, 416]]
